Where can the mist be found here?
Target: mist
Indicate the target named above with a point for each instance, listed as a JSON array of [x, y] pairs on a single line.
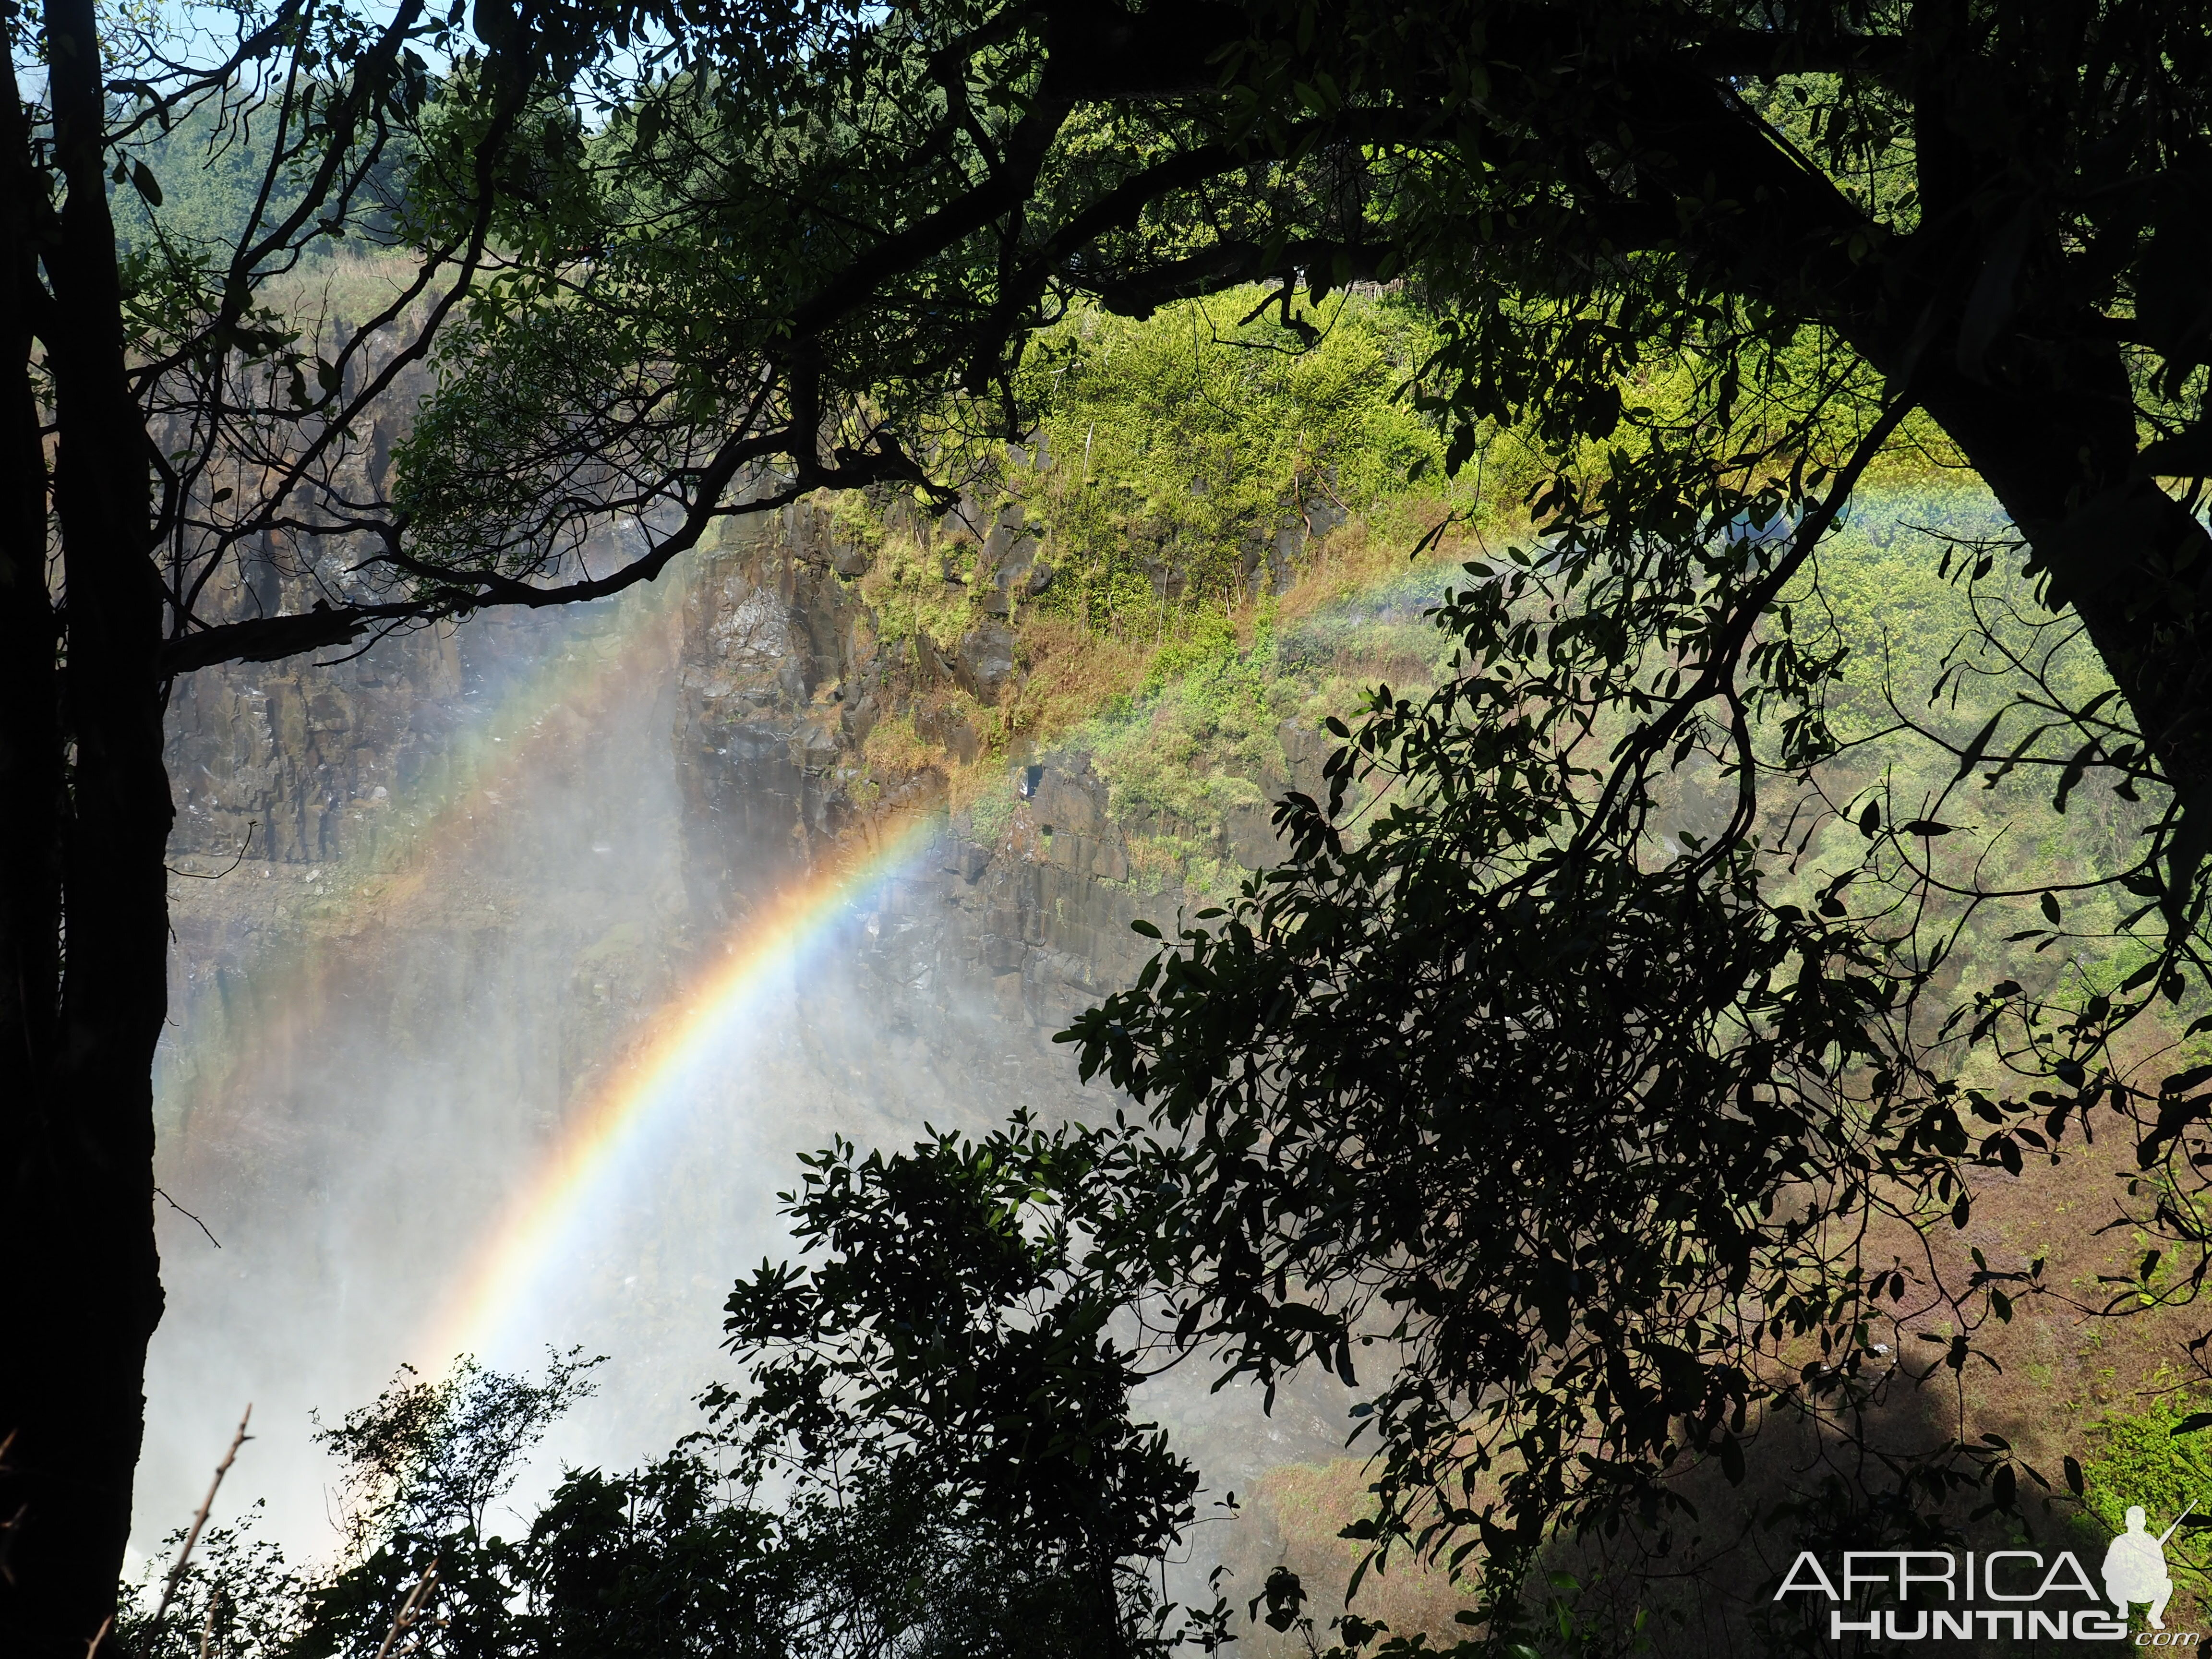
[[464, 907]]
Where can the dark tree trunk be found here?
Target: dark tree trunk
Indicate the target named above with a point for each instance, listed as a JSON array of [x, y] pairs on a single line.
[[2127, 559], [30, 734], [76, 1142], [2041, 407]]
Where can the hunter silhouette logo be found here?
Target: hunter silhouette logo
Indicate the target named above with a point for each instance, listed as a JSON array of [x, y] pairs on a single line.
[[2135, 1566]]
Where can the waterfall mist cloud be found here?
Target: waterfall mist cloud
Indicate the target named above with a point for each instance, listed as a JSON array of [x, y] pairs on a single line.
[[388, 1017]]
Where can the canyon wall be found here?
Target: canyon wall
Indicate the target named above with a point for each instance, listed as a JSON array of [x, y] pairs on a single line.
[[432, 902], [782, 677]]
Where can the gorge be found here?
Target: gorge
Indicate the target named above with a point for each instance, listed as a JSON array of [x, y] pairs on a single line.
[[553, 939], [419, 1081]]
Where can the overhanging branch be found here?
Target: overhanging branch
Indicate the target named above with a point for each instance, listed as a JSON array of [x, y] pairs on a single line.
[[460, 592]]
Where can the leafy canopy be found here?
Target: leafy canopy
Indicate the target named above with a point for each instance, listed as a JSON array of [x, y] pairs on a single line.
[[1582, 1123]]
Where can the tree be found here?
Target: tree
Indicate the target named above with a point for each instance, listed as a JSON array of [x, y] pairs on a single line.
[[951, 1355], [167, 448], [927, 186], [931, 1453], [1976, 222]]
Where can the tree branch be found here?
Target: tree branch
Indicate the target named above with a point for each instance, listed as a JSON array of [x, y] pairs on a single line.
[[1716, 675], [193, 1537]]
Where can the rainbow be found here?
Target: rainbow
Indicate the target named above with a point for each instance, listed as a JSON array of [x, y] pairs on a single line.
[[578, 1178], [199, 1068], [579, 1183]]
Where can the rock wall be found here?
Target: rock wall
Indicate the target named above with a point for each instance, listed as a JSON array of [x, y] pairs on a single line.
[[484, 864], [539, 826], [310, 756], [782, 679]]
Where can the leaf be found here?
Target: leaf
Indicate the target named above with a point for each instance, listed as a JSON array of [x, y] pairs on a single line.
[[2192, 842], [2075, 771], [2050, 907], [494, 21], [1925, 827], [2188, 453], [1732, 1459], [141, 176], [1972, 754], [1140, 926], [2076, 1485], [2195, 1423], [1870, 820]]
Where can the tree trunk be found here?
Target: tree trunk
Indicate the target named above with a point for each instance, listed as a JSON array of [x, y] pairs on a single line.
[[77, 1143], [2042, 409], [2127, 558]]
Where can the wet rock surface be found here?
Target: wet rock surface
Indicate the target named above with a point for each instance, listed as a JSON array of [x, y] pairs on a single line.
[[996, 942]]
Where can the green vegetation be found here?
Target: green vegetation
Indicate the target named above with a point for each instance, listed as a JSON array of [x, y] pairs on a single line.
[[2148, 1457], [1201, 486], [2155, 1457], [1177, 466], [1199, 746], [207, 171], [1205, 440], [930, 1454], [1173, 452]]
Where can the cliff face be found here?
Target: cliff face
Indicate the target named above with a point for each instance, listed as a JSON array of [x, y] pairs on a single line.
[[782, 677], [422, 803], [532, 828], [748, 694], [312, 756], [481, 865]]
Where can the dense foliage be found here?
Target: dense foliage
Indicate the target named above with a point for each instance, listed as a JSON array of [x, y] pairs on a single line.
[[930, 1455], [1174, 454]]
